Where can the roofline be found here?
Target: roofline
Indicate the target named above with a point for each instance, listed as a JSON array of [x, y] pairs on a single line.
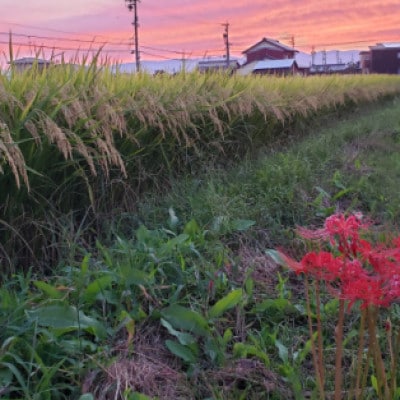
[[29, 60], [294, 62], [265, 39], [384, 46]]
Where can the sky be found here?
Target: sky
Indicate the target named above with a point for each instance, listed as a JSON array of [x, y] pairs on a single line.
[[176, 29]]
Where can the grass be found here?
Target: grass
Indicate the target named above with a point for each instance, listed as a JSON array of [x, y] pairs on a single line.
[[162, 288], [351, 165]]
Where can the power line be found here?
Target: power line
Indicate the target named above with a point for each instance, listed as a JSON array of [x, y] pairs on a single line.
[[43, 28], [163, 50], [63, 39], [158, 55], [42, 46]]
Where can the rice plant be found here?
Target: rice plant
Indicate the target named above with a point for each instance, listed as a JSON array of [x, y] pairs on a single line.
[[83, 143]]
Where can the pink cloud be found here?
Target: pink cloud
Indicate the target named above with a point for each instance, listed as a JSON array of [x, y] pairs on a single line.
[[194, 26]]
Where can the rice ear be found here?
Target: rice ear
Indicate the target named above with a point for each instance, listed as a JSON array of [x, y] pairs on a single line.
[[12, 153]]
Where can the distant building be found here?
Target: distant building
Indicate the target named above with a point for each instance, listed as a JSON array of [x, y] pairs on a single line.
[[271, 67], [365, 62], [213, 65], [340, 68], [24, 63], [269, 49], [385, 58]]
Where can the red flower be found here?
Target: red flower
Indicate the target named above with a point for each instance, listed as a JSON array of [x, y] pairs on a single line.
[[322, 265], [368, 290]]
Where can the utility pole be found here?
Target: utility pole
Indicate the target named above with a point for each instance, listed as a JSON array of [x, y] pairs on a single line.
[[312, 56], [227, 44], [132, 6], [294, 53], [292, 42]]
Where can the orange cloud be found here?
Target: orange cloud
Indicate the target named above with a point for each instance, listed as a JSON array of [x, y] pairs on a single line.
[[181, 27]]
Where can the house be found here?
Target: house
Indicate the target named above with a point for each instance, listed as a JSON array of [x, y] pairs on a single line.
[[271, 67], [269, 49], [385, 58], [220, 64], [24, 63]]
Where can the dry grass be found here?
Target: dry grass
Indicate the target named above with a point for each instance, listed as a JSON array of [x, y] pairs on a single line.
[[143, 366]]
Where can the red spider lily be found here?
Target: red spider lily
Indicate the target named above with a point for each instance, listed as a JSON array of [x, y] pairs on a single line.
[[361, 272], [355, 271], [322, 265], [338, 224], [352, 270], [392, 288], [368, 290]]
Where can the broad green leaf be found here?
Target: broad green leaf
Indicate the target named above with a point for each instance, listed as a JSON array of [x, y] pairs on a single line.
[[176, 241], [66, 318], [48, 289], [276, 306], [183, 337], [183, 318], [276, 256], [282, 350], [133, 276], [227, 302], [242, 350], [192, 228], [86, 396], [181, 351], [97, 286], [142, 234], [242, 224]]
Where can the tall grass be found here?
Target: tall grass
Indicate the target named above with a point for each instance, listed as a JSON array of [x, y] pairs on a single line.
[[79, 144]]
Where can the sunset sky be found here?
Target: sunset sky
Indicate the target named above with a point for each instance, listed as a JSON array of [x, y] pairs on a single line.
[[193, 28]]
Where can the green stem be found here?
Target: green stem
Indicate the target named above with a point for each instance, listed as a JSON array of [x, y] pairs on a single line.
[[339, 351], [319, 330], [360, 351], [389, 339], [393, 384], [313, 349], [377, 354]]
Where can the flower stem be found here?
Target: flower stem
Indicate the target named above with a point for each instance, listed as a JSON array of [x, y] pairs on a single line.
[[358, 391], [377, 354], [339, 351], [319, 330], [318, 373]]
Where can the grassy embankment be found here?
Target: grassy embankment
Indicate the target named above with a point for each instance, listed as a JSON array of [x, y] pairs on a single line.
[[190, 307]]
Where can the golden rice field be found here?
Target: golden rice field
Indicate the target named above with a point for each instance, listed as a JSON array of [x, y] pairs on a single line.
[[85, 142]]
